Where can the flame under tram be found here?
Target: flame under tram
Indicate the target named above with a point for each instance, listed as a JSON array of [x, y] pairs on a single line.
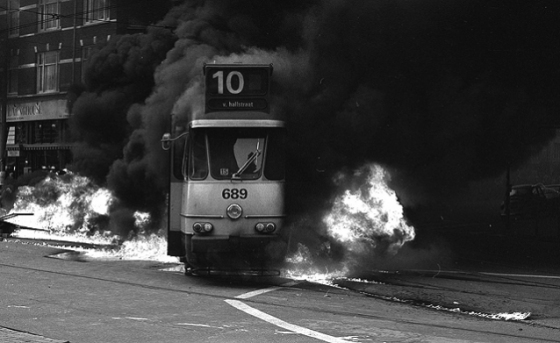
[[227, 176]]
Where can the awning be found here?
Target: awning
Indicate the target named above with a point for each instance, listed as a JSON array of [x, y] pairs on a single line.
[[47, 146]]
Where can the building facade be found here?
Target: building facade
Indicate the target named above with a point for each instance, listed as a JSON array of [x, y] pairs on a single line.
[[45, 48]]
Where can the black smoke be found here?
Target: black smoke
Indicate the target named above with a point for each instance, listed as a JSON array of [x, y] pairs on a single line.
[[441, 93], [119, 77]]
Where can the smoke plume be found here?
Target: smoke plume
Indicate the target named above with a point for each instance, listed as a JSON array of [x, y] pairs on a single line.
[[439, 92]]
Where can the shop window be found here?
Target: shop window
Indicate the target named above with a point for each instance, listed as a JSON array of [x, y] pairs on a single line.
[[21, 133], [46, 132], [62, 135], [47, 72], [13, 17], [38, 133], [96, 10], [49, 15]]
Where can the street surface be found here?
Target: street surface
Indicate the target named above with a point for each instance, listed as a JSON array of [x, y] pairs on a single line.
[[64, 298]]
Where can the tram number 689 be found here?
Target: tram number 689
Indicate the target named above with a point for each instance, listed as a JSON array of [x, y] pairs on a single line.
[[234, 193]]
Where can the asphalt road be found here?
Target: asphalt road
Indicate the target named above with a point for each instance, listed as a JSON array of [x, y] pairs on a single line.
[[72, 300]]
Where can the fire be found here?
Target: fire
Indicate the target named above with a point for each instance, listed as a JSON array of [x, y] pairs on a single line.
[[364, 221], [143, 247], [369, 216], [304, 268], [66, 204], [69, 209]]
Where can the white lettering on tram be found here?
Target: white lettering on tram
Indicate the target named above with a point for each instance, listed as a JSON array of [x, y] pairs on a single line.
[[238, 104]]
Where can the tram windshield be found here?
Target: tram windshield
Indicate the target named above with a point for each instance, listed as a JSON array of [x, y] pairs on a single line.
[[236, 153]]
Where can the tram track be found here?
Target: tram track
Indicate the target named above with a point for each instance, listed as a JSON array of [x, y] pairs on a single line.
[[309, 287], [449, 305], [397, 278]]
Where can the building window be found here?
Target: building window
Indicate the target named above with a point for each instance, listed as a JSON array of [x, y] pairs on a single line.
[[49, 16], [96, 10], [13, 75], [47, 72], [86, 54], [13, 17]]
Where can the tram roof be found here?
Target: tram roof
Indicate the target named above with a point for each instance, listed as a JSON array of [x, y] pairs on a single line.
[[205, 123]]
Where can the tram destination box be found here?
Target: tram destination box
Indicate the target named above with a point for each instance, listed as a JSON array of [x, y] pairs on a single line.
[[238, 87]]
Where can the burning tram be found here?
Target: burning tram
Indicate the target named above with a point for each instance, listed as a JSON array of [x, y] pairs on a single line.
[[227, 176]]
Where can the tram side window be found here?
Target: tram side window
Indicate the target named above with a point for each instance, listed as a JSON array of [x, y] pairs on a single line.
[[179, 148], [199, 159], [275, 156]]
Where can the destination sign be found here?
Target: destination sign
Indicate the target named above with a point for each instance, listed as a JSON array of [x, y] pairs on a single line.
[[237, 104], [237, 87]]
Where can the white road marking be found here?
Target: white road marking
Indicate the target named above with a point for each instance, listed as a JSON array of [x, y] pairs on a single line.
[[257, 292], [201, 325], [137, 318], [265, 290], [285, 325], [301, 330], [275, 321]]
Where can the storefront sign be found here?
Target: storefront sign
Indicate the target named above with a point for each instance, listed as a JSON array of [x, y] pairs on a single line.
[[37, 110]]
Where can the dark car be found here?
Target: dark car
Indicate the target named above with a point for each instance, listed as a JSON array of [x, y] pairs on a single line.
[[532, 201], [555, 187]]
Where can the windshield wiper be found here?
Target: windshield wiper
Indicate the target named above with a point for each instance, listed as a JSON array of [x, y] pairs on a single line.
[[254, 155], [252, 158]]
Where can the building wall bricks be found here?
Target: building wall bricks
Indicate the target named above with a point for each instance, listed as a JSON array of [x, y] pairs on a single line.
[[34, 132]]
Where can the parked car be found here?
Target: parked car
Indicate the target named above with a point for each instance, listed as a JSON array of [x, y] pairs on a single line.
[[555, 187], [531, 201]]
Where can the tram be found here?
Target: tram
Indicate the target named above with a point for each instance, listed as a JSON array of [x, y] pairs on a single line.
[[227, 176]]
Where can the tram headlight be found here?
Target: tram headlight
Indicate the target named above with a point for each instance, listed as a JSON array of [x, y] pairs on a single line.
[[259, 227], [265, 227], [234, 211], [270, 227], [203, 227], [207, 227]]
